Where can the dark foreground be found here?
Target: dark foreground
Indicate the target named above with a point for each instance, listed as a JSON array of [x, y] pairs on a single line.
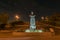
[[29, 36]]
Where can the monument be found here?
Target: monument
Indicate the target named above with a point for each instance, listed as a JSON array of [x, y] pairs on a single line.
[[32, 24]]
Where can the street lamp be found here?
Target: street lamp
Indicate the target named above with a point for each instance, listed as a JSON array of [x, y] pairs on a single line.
[[42, 18], [17, 17]]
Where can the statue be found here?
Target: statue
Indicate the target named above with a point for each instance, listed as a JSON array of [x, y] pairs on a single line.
[[32, 22]]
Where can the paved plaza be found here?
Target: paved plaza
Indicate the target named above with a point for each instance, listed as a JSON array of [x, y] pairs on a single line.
[[29, 36]]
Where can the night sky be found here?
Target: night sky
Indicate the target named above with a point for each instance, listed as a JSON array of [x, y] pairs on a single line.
[[24, 7]]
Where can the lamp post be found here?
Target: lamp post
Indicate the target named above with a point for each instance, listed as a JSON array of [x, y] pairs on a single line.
[[17, 17], [42, 18]]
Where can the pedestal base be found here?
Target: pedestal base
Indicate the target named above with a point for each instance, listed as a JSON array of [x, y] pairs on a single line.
[[33, 30]]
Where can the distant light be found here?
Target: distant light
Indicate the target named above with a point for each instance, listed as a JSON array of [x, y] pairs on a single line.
[[42, 18], [17, 17]]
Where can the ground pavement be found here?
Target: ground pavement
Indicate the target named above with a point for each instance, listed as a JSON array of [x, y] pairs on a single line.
[[29, 36]]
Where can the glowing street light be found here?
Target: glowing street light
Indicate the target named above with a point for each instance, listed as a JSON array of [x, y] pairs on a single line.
[[42, 18], [17, 17]]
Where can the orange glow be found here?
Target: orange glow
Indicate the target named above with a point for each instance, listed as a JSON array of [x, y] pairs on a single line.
[[17, 17]]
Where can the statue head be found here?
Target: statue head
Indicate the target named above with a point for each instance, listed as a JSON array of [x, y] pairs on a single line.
[[32, 13]]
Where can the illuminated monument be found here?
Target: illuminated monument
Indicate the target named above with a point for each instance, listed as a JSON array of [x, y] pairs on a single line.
[[32, 24]]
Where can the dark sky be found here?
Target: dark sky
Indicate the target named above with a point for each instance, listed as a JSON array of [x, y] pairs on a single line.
[[24, 7]]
